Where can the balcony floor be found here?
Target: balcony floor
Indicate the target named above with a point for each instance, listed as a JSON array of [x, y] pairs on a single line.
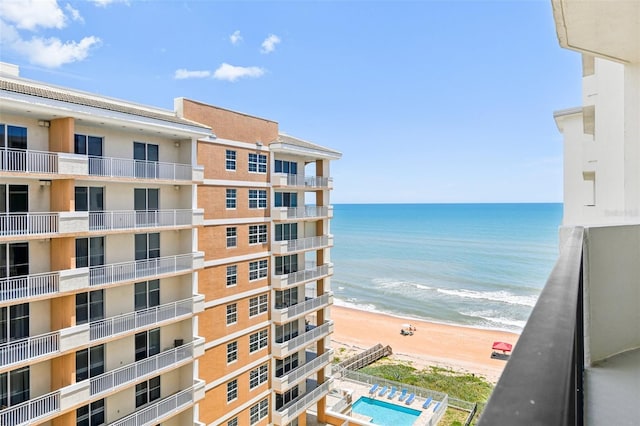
[[612, 391]]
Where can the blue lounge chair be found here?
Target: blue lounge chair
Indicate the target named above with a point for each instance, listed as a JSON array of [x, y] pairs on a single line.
[[393, 392], [410, 399], [403, 395], [373, 388], [426, 403], [383, 391], [435, 408]]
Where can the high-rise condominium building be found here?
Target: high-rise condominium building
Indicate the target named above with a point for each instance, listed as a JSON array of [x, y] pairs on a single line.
[[158, 267]]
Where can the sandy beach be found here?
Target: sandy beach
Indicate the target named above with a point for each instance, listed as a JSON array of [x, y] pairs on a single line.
[[459, 348]]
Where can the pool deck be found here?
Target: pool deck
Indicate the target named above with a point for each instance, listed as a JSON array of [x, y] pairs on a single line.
[[362, 389]]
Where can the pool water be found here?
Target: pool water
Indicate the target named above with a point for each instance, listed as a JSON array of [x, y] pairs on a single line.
[[384, 413]]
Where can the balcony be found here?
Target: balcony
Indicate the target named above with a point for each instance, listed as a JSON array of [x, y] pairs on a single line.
[[310, 273], [26, 161], [139, 169], [284, 349], [28, 286], [31, 411], [133, 220], [30, 348], [298, 406], [165, 408], [301, 244], [577, 360], [300, 181], [288, 313], [301, 213], [142, 269], [295, 376]]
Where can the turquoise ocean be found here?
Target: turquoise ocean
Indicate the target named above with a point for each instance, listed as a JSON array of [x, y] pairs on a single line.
[[478, 265]]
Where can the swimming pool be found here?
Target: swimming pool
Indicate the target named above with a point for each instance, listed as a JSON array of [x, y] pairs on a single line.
[[384, 413]]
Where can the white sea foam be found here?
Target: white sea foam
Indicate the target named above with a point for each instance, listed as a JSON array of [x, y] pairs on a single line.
[[423, 287], [496, 317], [352, 303], [495, 296]]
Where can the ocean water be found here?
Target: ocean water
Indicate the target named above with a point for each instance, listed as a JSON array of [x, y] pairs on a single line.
[[478, 265]]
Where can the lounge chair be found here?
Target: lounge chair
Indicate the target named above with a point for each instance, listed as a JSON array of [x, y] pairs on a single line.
[[373, 388], [435, 408], [393, 392], [410, 399], [403, 395], [426, 403], [383, 390]]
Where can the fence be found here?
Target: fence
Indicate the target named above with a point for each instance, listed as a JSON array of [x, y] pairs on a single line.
[[367, 357]]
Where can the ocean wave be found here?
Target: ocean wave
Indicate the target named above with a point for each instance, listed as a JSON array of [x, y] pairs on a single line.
[[391, 283], [352, 303], [490, 316], [495, 296]]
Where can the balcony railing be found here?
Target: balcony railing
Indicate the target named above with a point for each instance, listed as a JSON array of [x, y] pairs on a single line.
[[282, 314], [307, 212], [132, 219], [17, 224], [300, 244], [30, 411], [293, 376], [124, 323], [130, 168], [302, 181], [542, 382], [161, 409], [281, 349], [26, 286], [29, 348], [19, 160], [290, 411], [293, 278], [139, 370], [139, 269]]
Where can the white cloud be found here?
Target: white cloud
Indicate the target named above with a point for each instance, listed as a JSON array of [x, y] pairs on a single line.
[[183, 74], [75, 14], [232, 73], [52, 53], [31, 14], [235, 38], [105, 3], [269, 43]]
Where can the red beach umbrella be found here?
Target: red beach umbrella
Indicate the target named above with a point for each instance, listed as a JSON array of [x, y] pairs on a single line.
[[502, 346]]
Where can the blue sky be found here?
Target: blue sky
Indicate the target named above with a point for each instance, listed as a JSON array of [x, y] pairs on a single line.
[[428, 101]]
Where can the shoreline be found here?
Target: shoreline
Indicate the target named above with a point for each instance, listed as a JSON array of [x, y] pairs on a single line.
[[459, 348]]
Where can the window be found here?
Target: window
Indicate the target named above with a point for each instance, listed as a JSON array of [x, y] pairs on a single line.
[[14, 199], [258, 341], [14, 387], [287, 397], [146, 202], [257, 163], [147, 294], [233, 422], [91, 414], [231, 198], [146, 156], [14, 140], [14, 260], [89, 198], [286, 264], [258, 376], [258, 305], [230, 160], [232, 352], [14, 322], [147, 344], [285, 199], [232, 390], [87, 145], [232, 275], [89, 363], [286, 232], [89, 306], [257, 198], [283, 366], [232, 237], [286, 298], [287, 331], [257, 234], [257, 270], [147, 391], [147, 246], [288, 167], [232, 314], [89, 252], [259, 411]]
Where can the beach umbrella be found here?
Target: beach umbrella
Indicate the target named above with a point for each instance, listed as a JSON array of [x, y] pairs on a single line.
[[406, 325], [502, 346]]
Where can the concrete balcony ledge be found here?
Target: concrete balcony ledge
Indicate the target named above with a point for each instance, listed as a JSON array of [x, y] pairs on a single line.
[[286, 314], [310, 273], [284, 349], [74, 337], [198, 174], [296, 407], [300, 373]]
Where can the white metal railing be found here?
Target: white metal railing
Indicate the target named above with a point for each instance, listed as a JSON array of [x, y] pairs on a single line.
[[127, 322], [307, 337], [158, 410], [317, 181], [132, 219], [307, 211], [307, 243], [133, 372], [130, 168], [29, 348], [138, 269], [308, 305], [20, 160], [12, 288], [309, 273], [297, 406], [29, 411], [28, 223], [308, 367]]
